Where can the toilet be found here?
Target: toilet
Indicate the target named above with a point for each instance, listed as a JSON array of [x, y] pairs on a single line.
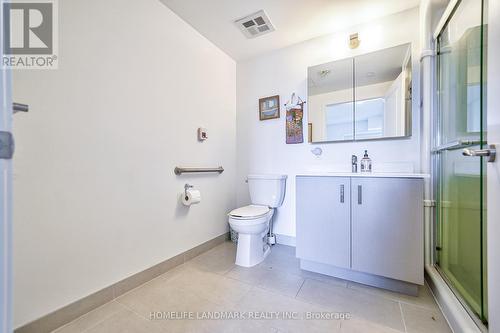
[[251, 222]]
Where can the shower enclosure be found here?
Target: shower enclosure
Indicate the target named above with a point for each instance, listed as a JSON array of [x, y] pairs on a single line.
[[460, 180]]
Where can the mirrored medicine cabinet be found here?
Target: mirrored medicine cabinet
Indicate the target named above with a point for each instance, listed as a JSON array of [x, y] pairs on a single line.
[[367, 97]]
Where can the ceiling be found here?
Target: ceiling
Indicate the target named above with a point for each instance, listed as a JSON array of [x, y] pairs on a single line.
[[295, 20]]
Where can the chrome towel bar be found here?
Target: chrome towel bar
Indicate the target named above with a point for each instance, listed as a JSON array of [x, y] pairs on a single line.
[[181, 170]]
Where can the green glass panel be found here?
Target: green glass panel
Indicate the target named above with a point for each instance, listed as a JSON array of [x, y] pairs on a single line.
[[461, 200], [460, 212]]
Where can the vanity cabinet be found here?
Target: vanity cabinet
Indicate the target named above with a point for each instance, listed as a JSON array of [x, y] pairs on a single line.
[[387, 227], [323, 205], [367, 229]]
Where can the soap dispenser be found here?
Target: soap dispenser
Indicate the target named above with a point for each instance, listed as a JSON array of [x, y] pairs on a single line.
[[366, 163]]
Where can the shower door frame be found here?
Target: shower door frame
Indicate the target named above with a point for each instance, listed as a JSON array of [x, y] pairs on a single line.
[[436, 160], [5, 195]]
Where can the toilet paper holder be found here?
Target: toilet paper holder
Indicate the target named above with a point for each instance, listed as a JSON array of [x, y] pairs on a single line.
[[187, 187]]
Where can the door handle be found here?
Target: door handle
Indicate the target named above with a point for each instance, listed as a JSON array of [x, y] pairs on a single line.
[[342, 193], [360, 195], [18, 107], [490, 152]]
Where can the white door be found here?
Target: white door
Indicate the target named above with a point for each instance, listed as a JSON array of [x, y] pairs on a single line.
[[5, 197], [493, 179]]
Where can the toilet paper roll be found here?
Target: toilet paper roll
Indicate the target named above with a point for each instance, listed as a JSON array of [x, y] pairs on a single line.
[[192, 197]]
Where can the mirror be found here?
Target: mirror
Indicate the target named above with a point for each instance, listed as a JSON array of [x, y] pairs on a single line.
[[363, 98], [331, 96]]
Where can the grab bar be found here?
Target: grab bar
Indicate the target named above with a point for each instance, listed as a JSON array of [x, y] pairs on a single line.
[[181, 170]]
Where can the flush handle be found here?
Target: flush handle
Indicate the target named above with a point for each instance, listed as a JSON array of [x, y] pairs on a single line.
[[342, 193], [360, 195]]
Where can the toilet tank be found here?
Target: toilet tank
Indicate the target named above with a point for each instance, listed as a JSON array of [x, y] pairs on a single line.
[[267, 190]]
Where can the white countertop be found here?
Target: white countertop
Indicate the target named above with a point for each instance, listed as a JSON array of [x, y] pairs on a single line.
[[365, 174]]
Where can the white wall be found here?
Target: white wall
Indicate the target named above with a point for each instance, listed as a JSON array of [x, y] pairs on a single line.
[[95, 196], [261, 144]]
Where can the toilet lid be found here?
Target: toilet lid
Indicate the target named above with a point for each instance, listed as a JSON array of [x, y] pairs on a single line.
[[249, 211]]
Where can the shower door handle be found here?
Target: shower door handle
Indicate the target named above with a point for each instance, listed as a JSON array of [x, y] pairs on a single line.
[[490, 152]]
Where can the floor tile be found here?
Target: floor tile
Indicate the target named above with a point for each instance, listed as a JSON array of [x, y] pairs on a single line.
[[324, 278], [360, 305], [424, 298], [362, 326], [92, 318], [282, 258], [274, 280], [289, 264], [281, 282], [418, 319], [213, 287], [290, 314], [160, 296], [183, 308], [212, 284], [126, 322], [283, 250], [204, 247], [218, 260], [251, 275]]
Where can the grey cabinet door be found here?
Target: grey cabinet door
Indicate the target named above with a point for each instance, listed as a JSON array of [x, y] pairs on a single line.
[[323, 220], [387, 227]]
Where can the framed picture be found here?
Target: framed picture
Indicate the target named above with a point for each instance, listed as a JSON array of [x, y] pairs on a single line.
[[294, 127], [269, 107]]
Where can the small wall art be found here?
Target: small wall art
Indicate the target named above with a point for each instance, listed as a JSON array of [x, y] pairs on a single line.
[[294, 120], [269, 107]]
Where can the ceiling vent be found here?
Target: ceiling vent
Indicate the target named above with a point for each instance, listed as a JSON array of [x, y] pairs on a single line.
[[255, 24]]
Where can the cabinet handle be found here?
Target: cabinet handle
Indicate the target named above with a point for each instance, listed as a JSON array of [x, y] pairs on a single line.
[[341, 193], [360, 194]]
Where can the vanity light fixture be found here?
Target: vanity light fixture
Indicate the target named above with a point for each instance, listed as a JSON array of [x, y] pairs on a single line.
[[354, 40]]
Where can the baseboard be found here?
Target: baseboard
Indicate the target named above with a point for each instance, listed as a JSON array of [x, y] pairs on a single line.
[[70, 312], [458, 318], [285, 240]]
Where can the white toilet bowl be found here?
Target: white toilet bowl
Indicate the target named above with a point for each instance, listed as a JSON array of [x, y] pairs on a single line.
[[267, 193], [252, 224]]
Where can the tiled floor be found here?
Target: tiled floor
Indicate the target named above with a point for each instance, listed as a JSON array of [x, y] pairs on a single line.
[[212, 284]]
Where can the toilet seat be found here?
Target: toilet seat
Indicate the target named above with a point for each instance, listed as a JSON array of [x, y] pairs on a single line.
[[250, 212]]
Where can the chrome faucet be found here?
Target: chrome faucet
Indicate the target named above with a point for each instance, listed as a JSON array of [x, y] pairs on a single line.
[[354, 161]]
